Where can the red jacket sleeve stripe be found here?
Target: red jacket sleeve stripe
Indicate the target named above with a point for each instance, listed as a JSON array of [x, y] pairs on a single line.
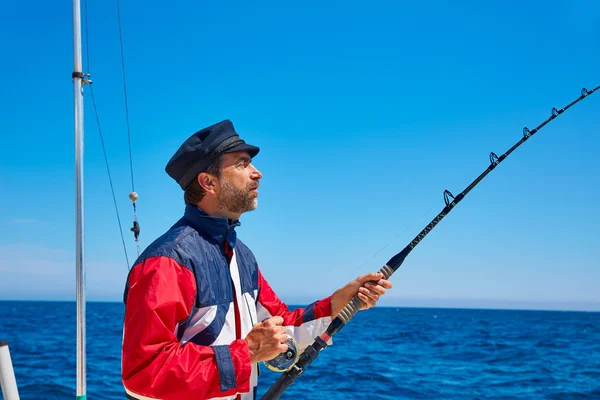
[[271, 302]]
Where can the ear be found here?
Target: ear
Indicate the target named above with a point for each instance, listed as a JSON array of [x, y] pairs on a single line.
[[208, 182]]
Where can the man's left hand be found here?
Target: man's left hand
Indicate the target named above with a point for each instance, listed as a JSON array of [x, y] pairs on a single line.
[[369, 288]]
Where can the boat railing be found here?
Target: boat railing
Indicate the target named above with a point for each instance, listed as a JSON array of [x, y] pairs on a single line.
[[8, 382]]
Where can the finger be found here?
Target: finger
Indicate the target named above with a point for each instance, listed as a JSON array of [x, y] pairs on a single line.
[[385, 283], [282, 347], [275, 331], [371, 295], [377, 289], [368, 302], [280, 330], [372, 276], [274, 321], [282, 338], [367, 296]]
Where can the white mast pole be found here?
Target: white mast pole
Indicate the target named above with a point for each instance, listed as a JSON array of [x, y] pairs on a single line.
[[78, 82]]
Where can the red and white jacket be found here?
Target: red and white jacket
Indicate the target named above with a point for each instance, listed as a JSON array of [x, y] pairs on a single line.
[[190, 300]]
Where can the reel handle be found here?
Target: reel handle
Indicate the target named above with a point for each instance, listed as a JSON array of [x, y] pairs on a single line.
[[284, 361]]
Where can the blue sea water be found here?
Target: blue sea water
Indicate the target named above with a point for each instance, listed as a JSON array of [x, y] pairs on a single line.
[[385, 353]]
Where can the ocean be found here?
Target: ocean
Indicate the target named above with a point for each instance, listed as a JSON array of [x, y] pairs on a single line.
[[383, 353]]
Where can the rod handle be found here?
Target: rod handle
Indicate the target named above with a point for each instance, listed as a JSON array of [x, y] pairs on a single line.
[[355, 304]]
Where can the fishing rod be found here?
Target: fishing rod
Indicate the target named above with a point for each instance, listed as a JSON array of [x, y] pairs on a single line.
[[312, 352]]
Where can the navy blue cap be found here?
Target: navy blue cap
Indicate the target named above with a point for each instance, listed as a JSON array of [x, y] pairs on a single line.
[[201, 149]]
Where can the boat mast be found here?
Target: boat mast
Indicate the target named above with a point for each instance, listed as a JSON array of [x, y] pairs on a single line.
[[78, 82]]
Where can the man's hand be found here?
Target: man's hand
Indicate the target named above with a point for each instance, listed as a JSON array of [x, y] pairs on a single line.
[[369, 288], [267, 340]]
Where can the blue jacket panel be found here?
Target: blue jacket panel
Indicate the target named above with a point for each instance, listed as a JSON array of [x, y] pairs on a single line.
[[197, 242]]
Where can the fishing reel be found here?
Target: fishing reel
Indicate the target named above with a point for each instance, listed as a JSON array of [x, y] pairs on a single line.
[[285, 360]]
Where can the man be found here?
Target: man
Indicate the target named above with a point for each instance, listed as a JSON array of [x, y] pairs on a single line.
[[199, 315]]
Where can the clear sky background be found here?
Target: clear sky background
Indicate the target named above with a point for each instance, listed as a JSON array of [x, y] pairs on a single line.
[[365, 112]]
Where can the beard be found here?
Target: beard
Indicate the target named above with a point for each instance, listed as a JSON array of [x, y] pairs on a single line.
[[236, 200]]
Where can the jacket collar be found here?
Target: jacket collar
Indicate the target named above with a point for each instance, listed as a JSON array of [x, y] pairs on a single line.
[[217, 228]]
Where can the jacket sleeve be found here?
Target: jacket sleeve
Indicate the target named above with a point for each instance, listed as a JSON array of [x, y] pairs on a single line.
[[155, 365], [303, 324]]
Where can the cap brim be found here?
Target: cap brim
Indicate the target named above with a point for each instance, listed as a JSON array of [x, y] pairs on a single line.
[[252, 150]]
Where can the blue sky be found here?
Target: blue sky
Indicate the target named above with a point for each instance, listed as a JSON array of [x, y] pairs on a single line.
[[364, 114]]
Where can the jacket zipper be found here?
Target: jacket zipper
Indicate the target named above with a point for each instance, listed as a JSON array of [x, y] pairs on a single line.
[[236, 308]]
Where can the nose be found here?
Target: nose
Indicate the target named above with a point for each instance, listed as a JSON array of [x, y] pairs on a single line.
[[255, 173]]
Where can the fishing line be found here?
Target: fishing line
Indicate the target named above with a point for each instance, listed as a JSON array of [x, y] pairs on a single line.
[[309, 308], [284, 360], [312, 352], [394, 239]]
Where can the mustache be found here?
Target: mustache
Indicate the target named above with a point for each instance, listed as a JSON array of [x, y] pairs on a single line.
[[253, 185]]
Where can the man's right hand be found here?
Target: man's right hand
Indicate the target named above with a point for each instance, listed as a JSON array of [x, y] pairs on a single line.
[[267, 340]]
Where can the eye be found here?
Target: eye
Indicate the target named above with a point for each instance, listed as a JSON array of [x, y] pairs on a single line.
[[243, 163]]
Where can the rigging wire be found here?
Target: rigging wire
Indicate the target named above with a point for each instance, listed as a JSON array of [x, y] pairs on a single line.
[[87, 56], [125, 93], [133, 196]]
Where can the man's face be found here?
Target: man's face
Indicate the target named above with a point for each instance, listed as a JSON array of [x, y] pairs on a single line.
[[238, 183]]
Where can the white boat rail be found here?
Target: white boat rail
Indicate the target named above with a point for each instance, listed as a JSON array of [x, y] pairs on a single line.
[[8, 382]]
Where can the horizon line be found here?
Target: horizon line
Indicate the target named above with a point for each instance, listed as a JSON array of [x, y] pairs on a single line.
[[589, 306]]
